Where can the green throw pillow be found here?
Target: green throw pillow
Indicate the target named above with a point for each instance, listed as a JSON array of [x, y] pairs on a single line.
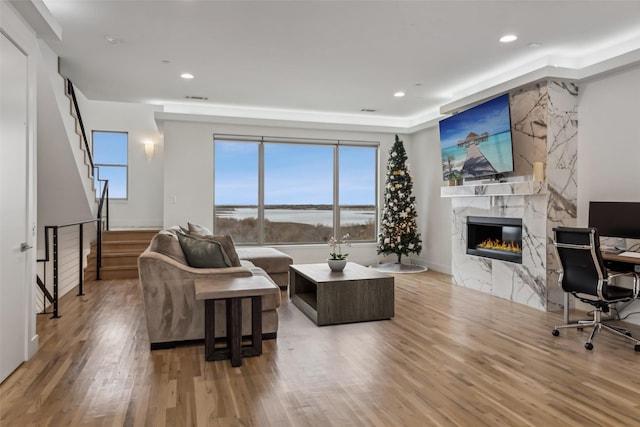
[[203, 253]]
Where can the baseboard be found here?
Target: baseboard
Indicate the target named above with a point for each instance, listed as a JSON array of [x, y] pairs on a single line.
[[439, 268], [34, 344]]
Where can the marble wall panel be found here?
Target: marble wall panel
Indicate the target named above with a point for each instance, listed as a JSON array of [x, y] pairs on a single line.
[[529, 127], [517, 283], [561, 174]]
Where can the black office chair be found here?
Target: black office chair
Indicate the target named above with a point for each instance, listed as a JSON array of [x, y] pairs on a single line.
[[585, 276]]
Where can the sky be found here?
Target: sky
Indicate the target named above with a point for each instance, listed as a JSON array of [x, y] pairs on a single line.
[[294, 174], [110, 148], [492, 117]]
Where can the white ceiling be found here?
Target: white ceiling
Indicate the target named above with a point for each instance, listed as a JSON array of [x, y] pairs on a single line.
[[329, 58]]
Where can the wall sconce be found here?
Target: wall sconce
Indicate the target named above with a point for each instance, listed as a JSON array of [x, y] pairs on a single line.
[[149, 148]]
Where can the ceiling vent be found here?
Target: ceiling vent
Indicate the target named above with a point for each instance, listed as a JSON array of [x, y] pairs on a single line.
[[197, 98], [368, 110]]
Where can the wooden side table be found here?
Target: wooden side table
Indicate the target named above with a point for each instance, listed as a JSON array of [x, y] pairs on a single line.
[[232, 290]]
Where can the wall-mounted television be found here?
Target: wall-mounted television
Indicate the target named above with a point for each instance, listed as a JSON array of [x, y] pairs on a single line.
[[477, 142]]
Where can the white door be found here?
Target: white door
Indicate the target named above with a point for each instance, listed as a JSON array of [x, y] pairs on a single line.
[[13, 207]]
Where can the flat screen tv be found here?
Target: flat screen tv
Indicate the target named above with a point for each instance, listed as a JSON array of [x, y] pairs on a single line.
[[477, 142]]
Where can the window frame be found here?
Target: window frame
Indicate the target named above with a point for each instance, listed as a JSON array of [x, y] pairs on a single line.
[[97, 165], [336, 144]]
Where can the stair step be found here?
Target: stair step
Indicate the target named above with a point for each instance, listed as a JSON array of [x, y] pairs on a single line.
[[121, 259], [128, 235], [124, 246], [120, 251], [110, 273]]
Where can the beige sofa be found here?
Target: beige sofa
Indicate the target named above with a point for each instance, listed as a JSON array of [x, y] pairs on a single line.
[[172, 312]]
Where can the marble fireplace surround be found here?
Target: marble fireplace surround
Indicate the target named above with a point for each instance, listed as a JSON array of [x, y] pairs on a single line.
[[523, 283], [544, 129]]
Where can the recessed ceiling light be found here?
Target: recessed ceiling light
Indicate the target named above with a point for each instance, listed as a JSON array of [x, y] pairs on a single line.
[[534, 45], [186, 76], [508, 38], [399, 94]]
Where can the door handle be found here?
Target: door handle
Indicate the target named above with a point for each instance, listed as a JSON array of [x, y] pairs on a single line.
[[24, 246]]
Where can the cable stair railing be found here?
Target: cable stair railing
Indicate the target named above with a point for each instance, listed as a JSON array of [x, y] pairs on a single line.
[[101, 221]]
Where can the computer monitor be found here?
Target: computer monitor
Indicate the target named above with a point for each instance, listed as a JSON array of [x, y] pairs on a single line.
[[615, 219]]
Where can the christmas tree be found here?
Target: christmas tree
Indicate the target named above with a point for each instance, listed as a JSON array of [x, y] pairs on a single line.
[[398, 228]]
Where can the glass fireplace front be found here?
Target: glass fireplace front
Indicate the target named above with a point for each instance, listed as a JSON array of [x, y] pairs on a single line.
[[495, 237]]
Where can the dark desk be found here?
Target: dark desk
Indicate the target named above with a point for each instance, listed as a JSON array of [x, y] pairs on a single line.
[[621, 263]]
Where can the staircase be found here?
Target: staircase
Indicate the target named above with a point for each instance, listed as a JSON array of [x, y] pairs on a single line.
[[120, 250]]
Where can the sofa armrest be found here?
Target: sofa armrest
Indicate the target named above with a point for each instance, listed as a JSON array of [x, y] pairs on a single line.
[[150, 262], [171, 310]]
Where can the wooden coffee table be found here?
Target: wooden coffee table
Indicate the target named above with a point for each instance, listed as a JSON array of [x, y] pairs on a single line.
[[357, 294]]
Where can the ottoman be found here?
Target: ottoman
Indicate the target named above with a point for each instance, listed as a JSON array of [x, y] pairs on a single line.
[[274, 262]]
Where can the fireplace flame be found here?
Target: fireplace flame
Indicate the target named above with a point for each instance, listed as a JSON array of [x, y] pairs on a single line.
[[500, 245]]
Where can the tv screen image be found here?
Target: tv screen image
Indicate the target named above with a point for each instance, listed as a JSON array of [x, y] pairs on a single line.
[[477, 142]]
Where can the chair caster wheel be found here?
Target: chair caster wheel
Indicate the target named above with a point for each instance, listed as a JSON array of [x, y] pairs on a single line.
[[637, 348], [628, 333], [555, 332], [588, 346]]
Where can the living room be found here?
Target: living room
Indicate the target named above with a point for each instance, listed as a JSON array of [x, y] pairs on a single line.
[[176, 185]]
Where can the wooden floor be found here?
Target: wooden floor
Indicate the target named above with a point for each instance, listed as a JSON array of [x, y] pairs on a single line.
[[451, 356]]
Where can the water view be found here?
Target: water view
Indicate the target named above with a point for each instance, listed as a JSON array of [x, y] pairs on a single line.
[[295, 224], [303, 216]]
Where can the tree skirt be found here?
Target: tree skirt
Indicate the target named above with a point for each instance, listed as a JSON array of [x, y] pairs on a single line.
[[393, 267]]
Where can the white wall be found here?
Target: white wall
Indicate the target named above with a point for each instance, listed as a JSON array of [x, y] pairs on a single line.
[[434, 212], [144, 205], [609, 145], [188, 175], [63, 175], [609, 140]]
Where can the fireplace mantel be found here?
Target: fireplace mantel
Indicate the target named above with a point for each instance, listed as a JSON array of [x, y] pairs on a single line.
[[496, 189]]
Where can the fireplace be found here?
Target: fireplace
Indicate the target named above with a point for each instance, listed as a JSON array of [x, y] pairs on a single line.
[[495, 237]]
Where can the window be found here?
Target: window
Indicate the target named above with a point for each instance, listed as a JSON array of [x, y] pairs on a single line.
[[298, 193], [358, 175], [236, 190], [110, 157], [280, 190]]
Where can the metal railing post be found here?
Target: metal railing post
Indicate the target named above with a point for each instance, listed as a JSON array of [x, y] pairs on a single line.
[[107, 199], [80, 246], [55, 273], [99, 250]]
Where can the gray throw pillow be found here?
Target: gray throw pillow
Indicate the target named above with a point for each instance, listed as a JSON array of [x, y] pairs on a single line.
[[227, 246], [198, 229], [203, 253]]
